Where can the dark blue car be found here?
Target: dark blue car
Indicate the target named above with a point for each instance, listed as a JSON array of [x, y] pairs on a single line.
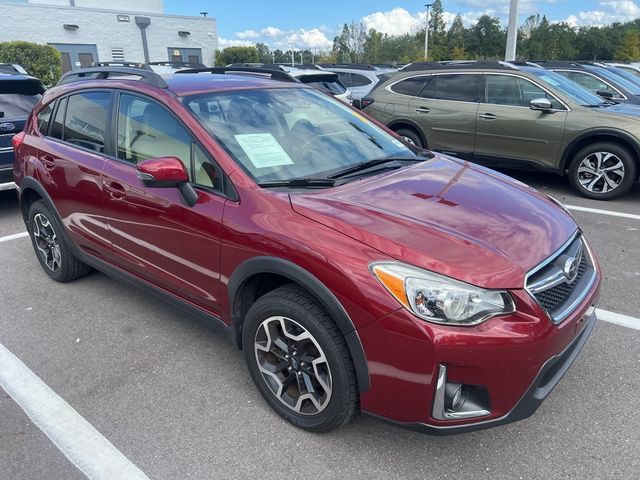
[[18, 95]]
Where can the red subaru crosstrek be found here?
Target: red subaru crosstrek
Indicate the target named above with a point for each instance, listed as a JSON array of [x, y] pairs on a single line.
[[354, 271]]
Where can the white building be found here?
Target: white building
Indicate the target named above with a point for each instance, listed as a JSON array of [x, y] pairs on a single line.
[[85, 31]]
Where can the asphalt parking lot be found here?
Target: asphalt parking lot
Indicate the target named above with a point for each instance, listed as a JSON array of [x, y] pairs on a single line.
[[175, 399]]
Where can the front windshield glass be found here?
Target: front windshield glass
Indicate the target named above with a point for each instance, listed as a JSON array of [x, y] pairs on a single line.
[[279, 134], [575, 91], [627, 75], [616, 79]]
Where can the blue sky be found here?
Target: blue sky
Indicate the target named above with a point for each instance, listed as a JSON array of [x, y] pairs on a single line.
[[315, 24]]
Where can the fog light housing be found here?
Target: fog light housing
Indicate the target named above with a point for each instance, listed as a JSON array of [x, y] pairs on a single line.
[[455, 401]]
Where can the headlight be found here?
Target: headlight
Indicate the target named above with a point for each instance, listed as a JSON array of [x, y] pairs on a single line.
[[441, 299]]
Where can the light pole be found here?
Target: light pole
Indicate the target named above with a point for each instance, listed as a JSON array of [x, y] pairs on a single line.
[[512, 32], [426, 33], [293, 58]]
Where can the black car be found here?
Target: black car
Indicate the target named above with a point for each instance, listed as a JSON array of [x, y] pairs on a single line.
[[19, 93], [607, 81]]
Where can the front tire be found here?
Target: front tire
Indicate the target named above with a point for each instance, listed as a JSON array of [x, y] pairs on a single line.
[[603, 171], [53, 253], [299, 360]]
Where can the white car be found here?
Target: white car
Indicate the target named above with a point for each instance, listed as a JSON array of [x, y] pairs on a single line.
[[312, 75], [359, 78]]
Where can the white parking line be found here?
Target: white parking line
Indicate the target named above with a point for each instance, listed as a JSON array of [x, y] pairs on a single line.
[[618, 319], [82, 444], [603, 212], [13, 237]]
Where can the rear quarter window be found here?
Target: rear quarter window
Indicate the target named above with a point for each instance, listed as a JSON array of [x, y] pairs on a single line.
[[409, 86], [44, 118]]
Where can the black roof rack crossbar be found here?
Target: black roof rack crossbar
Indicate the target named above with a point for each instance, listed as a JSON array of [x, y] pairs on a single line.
[[274, 74], [146, 75], [119, 64], [353, 66]]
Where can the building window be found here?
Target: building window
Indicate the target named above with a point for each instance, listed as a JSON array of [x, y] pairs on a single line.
[[117, 54]]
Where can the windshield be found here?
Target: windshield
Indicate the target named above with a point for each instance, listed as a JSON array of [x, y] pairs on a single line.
[[18, 97], [575, 91], [627, 75], [617, 80], [279, 134]]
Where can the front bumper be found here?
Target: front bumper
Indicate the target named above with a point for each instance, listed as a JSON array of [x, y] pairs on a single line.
[[548, 377], [516, 358]]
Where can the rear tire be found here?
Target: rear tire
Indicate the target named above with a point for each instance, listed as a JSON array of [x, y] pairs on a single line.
[[299, 360], [53, 253], [410, 136], [603, 171]]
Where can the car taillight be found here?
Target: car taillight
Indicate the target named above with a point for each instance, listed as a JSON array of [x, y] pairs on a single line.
[[17, 140], [365, 102]]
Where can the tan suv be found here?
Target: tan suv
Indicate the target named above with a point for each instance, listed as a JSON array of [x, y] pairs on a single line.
[[514, 115]]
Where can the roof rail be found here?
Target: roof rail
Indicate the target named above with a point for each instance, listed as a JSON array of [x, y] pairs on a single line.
[[353, 66], [177, 64], [462, 64], [145, 73], [260, 71], [118, 64]]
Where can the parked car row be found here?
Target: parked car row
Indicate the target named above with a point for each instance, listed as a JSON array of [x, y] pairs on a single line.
[[521, 115]]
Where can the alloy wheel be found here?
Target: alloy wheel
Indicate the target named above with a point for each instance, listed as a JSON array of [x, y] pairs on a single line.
[[47, 242], [408, 140], [601, 172], [293, 365]]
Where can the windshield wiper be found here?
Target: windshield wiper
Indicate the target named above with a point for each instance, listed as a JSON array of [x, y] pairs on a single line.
[[299, 182], [358, 167]]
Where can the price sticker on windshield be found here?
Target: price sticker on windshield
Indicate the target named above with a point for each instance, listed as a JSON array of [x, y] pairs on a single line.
[[263, 150]]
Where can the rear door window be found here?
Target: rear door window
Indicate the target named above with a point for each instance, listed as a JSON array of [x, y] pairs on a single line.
[[460, 88], [85, 123]]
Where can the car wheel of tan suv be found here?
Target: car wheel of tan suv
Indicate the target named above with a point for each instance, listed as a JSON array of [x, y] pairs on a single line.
[[603, 171]]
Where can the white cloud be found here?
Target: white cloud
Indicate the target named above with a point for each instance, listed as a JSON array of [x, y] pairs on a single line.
[[247, 34], [233, 42], [272, 32], [611, 11], [394, 22], [313, 38]]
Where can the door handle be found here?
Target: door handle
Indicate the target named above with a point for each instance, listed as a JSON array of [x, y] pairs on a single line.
[[423, 110], [487, 116], [116, 190], [48, 161]]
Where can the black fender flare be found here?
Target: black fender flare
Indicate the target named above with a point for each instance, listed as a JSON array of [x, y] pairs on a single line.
[[28, 183], [287, 269], [611, 132]]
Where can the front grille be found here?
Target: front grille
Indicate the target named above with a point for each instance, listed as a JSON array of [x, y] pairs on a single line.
[[551, 288], [551, 298]]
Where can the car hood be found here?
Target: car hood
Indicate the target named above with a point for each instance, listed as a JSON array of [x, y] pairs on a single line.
[[626, 109], [447, 216]]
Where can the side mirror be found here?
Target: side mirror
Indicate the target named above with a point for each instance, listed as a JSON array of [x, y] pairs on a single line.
[[167, 172], [605, 94], [357, 103], [542, 104]]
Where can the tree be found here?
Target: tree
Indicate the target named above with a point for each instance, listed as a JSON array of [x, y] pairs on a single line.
[[341, 46], [373, 46], [488, 39], [629, 49], [41, 61], [437, 33], [237, 55], [264, 54], [455, 40]]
